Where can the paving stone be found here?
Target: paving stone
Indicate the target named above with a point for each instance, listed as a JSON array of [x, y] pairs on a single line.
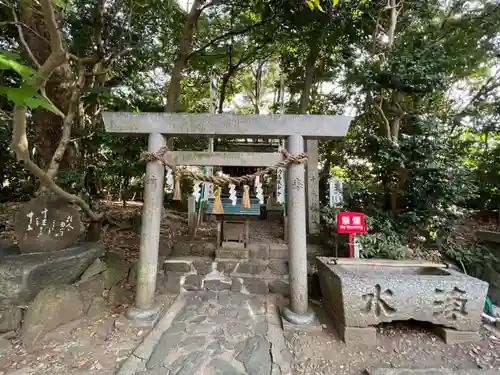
[[260, 328], [188, 364], [223, 341], [167, 343], [229, 298], [176, 328], [249, 285], [255, 356], [237, 330], [215, 347], [226, 266], [192, 342], [177, 266], [156, 371], [186, 315], [219, 366], [217, 285], [203, 266], [200, 328], [192, 282]]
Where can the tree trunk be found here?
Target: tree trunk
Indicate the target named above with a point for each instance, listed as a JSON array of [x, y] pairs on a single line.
[[185, 44], [309, 77], [47, 125]]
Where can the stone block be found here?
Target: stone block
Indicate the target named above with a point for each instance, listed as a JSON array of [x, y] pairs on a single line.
[[8, 247], [279, 287], [258, 251], [117, 269], [452, 336], [249, 285], [181, 248], [177, 265], [95, 268], [231, 253], [226, 267], [203, 266], [23, 276], [217, 284], [192, 282], [173, 282], [52, 307], [356, 336], [363, 295], [10, 318], [278, 251], [278, 266], [251, 268]]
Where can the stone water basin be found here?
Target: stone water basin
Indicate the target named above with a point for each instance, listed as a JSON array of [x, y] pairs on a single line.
[[361, 295]]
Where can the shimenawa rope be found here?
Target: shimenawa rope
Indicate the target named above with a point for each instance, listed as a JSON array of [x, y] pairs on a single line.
[[161, 156]]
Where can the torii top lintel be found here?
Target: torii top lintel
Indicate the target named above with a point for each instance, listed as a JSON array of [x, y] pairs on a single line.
[[227, 125]]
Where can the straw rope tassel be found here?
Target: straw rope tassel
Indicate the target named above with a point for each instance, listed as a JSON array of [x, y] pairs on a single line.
[[217, 209], [245, 202], [177, 188]]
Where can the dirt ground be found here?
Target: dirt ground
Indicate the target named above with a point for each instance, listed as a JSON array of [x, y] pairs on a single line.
[[99, 346], [399, 345]]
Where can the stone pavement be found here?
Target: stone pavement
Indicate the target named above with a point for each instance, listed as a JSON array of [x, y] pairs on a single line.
[[214, 333]]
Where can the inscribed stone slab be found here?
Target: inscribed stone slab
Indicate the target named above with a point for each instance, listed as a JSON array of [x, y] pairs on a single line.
[[47, 224]]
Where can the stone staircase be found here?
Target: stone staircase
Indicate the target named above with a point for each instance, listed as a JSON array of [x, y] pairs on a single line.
[[257, 269]]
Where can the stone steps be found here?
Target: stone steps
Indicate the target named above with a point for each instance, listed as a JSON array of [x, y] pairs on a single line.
[[238, 275]]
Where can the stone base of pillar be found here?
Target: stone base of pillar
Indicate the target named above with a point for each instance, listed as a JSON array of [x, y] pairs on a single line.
[[144, 318], [300, 323]]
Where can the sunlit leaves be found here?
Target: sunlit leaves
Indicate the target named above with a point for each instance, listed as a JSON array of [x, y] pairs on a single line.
[[10, 61], [27, 96], [316, 4]]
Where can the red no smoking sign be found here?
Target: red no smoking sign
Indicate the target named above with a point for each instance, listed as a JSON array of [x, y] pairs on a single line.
[[351, 222]]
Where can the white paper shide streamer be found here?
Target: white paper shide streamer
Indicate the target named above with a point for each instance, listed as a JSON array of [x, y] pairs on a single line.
[[170, 180], [232, 194], [258, 190], [280, 185], [197, 190]]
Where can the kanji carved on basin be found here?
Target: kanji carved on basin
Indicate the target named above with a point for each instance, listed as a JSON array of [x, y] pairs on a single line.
[[363, 295]]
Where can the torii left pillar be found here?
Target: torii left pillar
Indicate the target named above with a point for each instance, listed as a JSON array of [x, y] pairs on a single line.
[[145, 313]]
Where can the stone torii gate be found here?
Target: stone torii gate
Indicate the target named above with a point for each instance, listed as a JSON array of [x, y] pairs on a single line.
[[295, 128]]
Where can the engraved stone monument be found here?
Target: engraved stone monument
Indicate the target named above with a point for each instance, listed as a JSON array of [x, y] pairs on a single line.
[[359, 297], [47, 224], [47, 230]]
